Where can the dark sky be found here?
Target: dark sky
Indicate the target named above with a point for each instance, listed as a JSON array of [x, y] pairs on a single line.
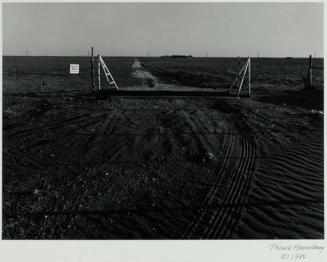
[[131, 29]]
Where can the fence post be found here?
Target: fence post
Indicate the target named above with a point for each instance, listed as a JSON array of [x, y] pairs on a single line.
[[99, 73], [92, 70], [310, 72], [249, 76]]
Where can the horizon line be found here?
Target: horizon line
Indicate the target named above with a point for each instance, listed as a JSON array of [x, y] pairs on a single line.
[[163, 56]]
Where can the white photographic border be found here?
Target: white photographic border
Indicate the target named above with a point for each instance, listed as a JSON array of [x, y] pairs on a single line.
[[152, 250]]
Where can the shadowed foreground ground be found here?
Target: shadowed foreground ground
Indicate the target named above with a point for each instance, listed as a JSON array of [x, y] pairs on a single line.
[[161, 168]]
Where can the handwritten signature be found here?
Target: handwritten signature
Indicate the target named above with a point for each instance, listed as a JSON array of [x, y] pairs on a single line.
[[296, 251]]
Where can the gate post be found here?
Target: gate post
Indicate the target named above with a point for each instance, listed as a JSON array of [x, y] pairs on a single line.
[[310, 72], [249, 76], [92, 70], [99, 73]]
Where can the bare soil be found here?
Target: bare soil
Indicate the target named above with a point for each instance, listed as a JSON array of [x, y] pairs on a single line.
[[77, 167]]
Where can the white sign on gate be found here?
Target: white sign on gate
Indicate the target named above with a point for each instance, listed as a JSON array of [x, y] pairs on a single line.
[[74, 69]]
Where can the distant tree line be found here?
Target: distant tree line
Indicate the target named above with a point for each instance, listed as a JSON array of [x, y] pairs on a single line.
[[176, 56]]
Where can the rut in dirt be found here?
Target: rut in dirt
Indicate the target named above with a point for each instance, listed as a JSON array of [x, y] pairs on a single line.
[[223, 204]]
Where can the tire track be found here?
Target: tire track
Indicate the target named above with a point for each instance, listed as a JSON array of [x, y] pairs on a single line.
[[212, 192], [220, 223], [239, 203], [223, 219]]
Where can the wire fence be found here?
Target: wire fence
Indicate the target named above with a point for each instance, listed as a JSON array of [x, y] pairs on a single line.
[[29, 73]]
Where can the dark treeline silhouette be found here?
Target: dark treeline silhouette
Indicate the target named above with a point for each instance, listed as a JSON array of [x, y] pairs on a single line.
[[176, 56]]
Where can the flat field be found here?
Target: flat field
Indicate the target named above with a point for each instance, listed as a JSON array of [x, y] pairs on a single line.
[[78, 167]]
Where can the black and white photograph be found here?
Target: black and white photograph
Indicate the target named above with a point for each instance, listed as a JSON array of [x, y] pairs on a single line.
[[163, 121]]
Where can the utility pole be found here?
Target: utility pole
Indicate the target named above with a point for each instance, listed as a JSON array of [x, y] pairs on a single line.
[[26, 52]]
